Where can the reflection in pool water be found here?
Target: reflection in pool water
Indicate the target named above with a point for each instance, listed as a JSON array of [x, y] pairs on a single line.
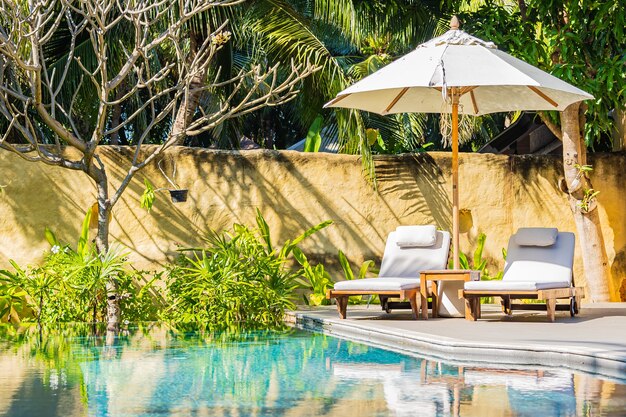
[[154, 371]]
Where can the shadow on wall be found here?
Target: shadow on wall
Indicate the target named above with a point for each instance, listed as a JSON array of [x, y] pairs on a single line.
[[35, 196], [154, 236], [609, 177], [295, 191], [417, 181]]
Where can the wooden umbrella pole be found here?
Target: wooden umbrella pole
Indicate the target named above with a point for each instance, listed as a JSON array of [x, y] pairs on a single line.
[[455, 177]]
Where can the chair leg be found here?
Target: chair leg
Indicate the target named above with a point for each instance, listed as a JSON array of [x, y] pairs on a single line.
[[551, 307], [435, 299], [424, 302], [506, 305], [470, 311], [416, 303], [383, 303], [477, 312], [342, 306]]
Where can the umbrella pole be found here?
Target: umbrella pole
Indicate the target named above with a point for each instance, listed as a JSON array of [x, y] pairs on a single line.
[[455, 178]]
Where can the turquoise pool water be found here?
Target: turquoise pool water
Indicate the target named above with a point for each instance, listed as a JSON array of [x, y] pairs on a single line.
[[154, 371]]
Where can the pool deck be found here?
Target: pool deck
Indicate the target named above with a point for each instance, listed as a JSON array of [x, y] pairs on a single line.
[[594, 341]]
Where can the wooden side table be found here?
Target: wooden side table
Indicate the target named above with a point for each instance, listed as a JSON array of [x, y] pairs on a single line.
[[434, 276]]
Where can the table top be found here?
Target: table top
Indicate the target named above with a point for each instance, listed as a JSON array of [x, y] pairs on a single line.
[[449, 271], [452, 274]]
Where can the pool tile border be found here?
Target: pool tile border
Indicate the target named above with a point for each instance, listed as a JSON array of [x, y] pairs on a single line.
[[458, 350]]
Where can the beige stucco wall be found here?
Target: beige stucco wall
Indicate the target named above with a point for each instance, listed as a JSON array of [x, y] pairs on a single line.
[[295, 191]]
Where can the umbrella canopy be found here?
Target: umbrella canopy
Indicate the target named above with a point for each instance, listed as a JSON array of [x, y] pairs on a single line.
[[490, 81], [460, 74]]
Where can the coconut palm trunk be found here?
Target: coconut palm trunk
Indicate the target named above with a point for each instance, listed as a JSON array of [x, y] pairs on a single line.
[[595, 259], [191, 100]]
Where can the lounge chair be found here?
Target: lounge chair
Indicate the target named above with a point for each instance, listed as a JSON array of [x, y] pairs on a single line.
[[538, 266], [409, 250]]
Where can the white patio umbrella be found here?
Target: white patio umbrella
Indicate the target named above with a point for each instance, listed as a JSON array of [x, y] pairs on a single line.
[[458, 73]]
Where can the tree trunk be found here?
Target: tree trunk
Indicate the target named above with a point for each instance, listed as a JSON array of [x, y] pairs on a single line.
[[595, 259], [191, 99], [116, 115], [102, 245]]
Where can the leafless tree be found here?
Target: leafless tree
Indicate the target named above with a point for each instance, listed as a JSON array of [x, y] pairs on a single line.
[[35, 103]]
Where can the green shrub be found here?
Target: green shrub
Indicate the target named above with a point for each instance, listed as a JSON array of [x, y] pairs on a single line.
[[318, 281], [69, 285], [238, 281], [315, 279]]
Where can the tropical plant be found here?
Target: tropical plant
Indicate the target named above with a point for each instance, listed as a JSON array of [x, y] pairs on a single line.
[[380, 146], [13, 302], [349, 275], [238, 281], [347, 40], [70, 285], [313, 139], [147, 198], [315, 279], [477, 262], [580, 45], [318, 281], [588, 202]]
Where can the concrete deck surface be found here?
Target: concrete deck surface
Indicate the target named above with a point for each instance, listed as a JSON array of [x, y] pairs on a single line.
[[594, 341]]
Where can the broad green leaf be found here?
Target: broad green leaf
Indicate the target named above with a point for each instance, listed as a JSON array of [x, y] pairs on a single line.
[[313, 139], [317, 299], [148, 196], [345, 265], [478, 253], [300, 257], [82, 248], [264, 228], [364, 268], [373, 136], [51, 238]]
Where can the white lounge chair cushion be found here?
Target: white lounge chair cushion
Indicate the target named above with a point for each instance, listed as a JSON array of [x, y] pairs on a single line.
[[537, 271], [408, 262], [531, 268], [536, 236], [378, 284], [540, 263], [514, 285], [416, 236], [400, 267]]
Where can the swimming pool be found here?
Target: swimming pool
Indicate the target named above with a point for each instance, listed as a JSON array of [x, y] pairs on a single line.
[[154, 371]]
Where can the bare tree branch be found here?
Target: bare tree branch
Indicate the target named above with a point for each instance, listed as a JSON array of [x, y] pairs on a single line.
[[157, 71]]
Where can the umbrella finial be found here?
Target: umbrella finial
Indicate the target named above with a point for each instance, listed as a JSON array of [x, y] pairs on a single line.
[[454, 23]]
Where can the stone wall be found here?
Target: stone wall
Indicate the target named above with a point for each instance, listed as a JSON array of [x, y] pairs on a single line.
[[295, 191]]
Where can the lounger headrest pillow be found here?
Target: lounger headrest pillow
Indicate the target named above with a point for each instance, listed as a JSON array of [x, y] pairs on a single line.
[[536, 236], [416, 236]]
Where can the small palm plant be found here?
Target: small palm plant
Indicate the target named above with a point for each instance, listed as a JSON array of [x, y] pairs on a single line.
[[238, 281]]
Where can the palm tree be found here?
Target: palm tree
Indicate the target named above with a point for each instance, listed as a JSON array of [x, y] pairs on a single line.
[[347, 40]]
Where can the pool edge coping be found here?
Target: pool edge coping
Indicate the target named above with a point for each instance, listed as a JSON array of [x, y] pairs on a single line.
[[459, 350]]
